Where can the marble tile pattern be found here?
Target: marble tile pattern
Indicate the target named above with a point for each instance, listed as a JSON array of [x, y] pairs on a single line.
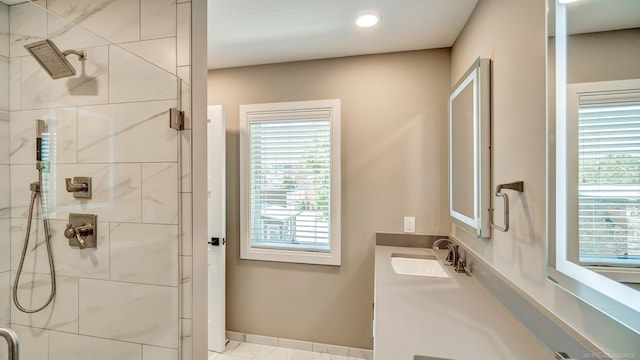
[[110, 121], [4, 30], [160, 52], [115, 20], [157, 19], [146, 314], [67, 35], [38, 343], [5, 196], [34, 290], [131, 78], [27, 23], [34, 342], [5, 124], [4, 82], [186, 286], [183, 33], [64, 346], [5, 245], [15, 85], [5, 293], [132, 132], [144, 253], [186, 338], [159, 197]]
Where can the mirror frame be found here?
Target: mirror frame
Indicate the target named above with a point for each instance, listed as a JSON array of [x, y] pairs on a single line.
[[478, 76], [612, 298]]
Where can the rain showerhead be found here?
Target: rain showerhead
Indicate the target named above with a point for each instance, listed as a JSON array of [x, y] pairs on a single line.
[[52, 60]]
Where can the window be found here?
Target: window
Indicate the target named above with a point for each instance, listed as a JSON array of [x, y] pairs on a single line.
[[609, 184], [290, 182], [603, 135]]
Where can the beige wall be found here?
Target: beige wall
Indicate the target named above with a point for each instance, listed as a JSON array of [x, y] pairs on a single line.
[[394, 164], [604, 56], [519, 154]]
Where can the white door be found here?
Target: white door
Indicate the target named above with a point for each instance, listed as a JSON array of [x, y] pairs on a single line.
[[217, 245]]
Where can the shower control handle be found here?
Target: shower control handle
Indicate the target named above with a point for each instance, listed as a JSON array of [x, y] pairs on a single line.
[[80, 186], [78, 232], [82, 230]]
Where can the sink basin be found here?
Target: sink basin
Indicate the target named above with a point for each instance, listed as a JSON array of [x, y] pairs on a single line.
[[418, 265]]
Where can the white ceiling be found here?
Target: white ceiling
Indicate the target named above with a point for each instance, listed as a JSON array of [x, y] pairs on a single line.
[[252, 32]]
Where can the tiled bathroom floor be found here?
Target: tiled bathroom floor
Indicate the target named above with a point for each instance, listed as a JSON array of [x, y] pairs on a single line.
[[243, 351]]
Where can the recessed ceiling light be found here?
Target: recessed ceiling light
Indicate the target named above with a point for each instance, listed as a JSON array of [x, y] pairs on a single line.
[[367, 20], [566, 1]]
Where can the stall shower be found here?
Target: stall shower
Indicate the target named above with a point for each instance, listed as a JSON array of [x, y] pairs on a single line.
[[86, 89]]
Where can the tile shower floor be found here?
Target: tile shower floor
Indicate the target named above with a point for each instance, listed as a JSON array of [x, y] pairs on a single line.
[[243, 351]]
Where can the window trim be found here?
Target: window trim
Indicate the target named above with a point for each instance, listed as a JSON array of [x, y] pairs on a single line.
[[248, 251]]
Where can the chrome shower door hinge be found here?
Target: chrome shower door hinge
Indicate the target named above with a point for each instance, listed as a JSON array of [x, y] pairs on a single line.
[[176, 119]]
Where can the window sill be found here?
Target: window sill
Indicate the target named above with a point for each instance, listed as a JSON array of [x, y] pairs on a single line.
[[291, 256]]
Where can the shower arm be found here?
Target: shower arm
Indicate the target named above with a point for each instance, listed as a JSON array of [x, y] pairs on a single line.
[[82, 54]]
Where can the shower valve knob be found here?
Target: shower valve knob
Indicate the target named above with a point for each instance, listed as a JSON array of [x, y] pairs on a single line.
[[81, 230], [78, 232], [80, 186], [69, 232]]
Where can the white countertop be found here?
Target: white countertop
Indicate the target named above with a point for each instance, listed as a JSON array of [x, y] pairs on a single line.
[[451, 318]]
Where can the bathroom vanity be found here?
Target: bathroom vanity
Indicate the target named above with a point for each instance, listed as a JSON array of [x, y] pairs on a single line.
[[443, 317]]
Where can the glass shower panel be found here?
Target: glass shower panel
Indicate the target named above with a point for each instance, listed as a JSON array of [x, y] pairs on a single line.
[[5, 264], [110, 122]]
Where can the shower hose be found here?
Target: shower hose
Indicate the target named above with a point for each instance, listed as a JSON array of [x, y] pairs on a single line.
[[35, 192]]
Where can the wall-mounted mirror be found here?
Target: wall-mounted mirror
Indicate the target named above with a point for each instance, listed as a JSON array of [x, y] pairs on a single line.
[[469, 150], [594, 153]]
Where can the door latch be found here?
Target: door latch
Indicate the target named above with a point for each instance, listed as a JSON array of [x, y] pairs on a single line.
[[215, 241]]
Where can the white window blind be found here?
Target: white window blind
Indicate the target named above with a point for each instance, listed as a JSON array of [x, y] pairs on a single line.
[[290, 167], [290, 182], [609, 183]]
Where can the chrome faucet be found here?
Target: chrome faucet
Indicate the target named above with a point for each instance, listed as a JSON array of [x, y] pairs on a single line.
[[437, 243], [452, 255]]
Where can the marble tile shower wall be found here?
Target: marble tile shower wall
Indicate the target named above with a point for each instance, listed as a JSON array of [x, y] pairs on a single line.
[[130, 297], [5, 275]]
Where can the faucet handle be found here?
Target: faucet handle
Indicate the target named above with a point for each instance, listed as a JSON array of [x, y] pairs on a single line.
[[80, 186], [453, 254]]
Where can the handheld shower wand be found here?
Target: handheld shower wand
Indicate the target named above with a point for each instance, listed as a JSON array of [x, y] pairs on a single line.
[[36, 187], [41, 128]]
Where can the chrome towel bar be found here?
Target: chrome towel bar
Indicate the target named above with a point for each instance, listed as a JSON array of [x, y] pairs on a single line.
[[516, 186], [12, 342]]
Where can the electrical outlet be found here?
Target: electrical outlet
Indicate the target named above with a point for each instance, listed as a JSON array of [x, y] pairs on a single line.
[[409, 224]]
